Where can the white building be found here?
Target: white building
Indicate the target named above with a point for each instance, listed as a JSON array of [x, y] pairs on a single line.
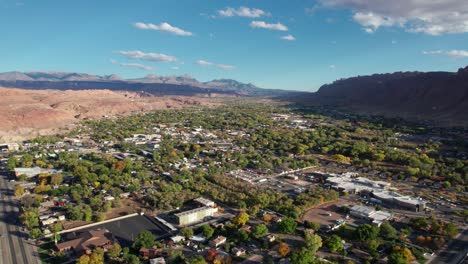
[[370, 214]]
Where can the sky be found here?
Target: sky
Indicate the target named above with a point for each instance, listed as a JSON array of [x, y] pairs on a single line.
[[281, 44]]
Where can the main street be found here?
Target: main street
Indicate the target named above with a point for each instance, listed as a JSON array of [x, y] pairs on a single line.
[[14, 249]]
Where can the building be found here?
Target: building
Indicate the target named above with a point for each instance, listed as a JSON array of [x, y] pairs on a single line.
[[34, 171], [205, 202], [9, 147], [218, 241], [159, 260], [84, 242], [370, 214], [195, 215], [380, 191]]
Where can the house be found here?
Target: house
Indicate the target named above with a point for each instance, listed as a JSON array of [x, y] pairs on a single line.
[[84, 242], [270, 238], [150, 252], [238, 251], [218, 241], [159, 260]]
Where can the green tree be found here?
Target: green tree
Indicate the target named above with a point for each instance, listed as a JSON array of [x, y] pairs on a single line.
[[451, 230], [366, 232], [186, 232], [30, 218], [207, 231], [287, 225], [259, 231], [241, 219], [35, 233], [334, 243], [387, 231], [114, 251], [197, 260], [303, 256], [313, 242], [145, 239]]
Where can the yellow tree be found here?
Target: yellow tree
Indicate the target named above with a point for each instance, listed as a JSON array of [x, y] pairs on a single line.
[[283, 249]]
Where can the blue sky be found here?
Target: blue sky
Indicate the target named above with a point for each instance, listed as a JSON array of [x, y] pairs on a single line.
[[274, 44]]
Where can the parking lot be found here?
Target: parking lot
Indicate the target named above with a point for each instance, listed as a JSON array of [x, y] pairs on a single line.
[[327, 214]]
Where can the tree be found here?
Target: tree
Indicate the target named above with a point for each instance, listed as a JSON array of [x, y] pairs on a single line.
[[131, 259], [396, 258], [207, 231], [19, 190], [287, 225], [30, 218], [419, 223], [313, 242], [56, 179], [186, 232], [197, 260], [84, 259], [312, 225], [334, 243], [366, 232], [114, 251], [35, 233], [283, 249], [145, 239], [387, 231], [451, 230], [259, 231], [241, 219], [303, 256]]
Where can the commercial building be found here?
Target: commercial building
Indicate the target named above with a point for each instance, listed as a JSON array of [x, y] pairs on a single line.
[[370, 214], [380, 191], [195, 215]]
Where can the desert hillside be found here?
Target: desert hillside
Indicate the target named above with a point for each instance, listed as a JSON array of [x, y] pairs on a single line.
[[28, 113], [437, 96]]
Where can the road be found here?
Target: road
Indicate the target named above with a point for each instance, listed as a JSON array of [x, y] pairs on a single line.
[[14, 249], [454, 252]]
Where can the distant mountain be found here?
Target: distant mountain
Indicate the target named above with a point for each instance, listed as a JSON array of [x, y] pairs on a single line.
[[441, 96], [153, 84]]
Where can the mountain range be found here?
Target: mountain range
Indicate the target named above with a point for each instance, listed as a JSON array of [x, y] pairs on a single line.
[[153, 84], [439, 96]]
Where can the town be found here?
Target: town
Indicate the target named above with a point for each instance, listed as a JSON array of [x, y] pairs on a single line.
[[249, 183]]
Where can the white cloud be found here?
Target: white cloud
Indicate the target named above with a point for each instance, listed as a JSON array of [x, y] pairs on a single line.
[[225, 67], [371, 22], [242, 12], [163, 27], [138, 66], [450, 53], [263, 24], [175, 68], [140, 55], [433, 17], [332, 67], [288, 37], [204, 63]]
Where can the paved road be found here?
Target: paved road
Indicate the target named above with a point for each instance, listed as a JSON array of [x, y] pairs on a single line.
[[14, 249], [454, 252]]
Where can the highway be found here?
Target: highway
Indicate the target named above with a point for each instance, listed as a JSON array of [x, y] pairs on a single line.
[[14, 249]]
